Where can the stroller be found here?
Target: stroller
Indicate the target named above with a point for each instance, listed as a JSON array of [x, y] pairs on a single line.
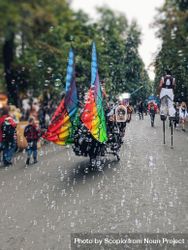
[[86, 145]]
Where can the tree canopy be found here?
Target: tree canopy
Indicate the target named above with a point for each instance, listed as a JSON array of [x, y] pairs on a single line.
[[172, 23], [35, 37]]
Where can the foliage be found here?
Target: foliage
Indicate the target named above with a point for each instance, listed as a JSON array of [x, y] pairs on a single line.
[[41, 33], [173, 30]]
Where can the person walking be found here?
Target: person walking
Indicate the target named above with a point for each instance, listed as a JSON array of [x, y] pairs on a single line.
[[166, 87], [8, 130], [3, 115], [183, 114], [32, 135], [152, 108], [141, 110]]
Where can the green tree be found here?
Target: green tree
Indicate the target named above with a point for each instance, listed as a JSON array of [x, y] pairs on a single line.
[[173, 31], [37, 41], [23, 25], [120, 63]]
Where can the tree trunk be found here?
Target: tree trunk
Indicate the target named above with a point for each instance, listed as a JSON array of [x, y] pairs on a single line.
[[8, 57]]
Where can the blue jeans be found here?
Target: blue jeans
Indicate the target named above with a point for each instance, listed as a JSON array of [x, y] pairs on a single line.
[[32, 150], [8, 151]]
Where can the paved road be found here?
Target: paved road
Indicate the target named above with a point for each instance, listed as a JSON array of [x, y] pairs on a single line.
[[147, 191]]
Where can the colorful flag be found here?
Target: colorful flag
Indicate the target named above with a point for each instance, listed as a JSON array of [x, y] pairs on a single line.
[[93, 113], [63, 123]]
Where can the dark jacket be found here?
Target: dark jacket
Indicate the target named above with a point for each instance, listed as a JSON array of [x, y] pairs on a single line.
[[8, 130], [31, 133]]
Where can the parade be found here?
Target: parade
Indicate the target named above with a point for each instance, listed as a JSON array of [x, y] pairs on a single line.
[[93, 125], [93, 131]]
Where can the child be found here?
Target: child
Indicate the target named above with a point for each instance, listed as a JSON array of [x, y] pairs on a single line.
[[32, 135]]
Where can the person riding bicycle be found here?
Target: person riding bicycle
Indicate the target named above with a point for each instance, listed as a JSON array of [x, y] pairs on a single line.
[[167, 86]]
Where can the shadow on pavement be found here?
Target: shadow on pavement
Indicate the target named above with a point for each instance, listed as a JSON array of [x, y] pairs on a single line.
[[83, 171]]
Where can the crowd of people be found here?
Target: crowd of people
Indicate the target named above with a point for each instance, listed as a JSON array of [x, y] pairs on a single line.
[[37, 124], [179, 117], [177, 111], [38, 118]]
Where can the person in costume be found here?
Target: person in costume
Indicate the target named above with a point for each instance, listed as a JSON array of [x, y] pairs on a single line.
[[167, 86]]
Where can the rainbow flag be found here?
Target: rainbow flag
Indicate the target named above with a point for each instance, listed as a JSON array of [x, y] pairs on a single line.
[[64, 120], [93, 113]]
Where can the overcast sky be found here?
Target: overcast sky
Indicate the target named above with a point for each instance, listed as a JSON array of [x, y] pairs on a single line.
[[141, 10]]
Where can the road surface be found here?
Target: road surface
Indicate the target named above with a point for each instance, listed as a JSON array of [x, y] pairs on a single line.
[[147, 191]]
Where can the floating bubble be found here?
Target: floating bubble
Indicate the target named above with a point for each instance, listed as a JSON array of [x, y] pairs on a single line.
[[13, 82], [46, 83], [49, 70], [57, 82], [51, 28], [40, 63]]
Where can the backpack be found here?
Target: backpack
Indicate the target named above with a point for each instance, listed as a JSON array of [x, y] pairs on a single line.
[[8, 132], [31, 133]]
